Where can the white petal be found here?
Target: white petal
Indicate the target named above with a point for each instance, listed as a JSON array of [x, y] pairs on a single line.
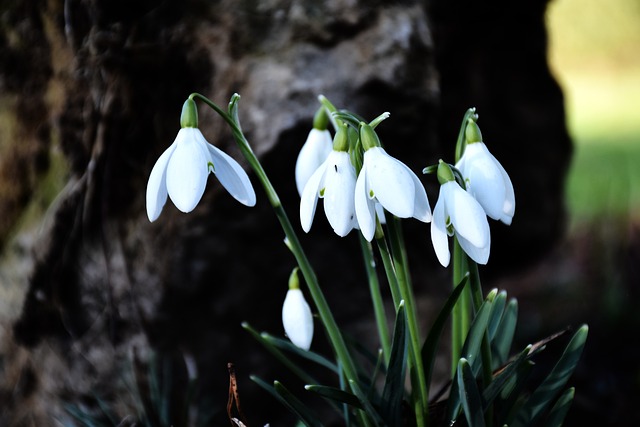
[[486, 183], [157, 185], [187, 170], [232, 177], [365, 206], [467, 216], [479, 255], [313, 153], [509, 206], [297, 319], [439, 237], [340, 183], [309, 198], [421, 208], [390, 182]]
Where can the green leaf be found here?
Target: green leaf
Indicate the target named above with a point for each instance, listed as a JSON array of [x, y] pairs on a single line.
[[368, 408], [469, 395], [335, 394], [294, 404], [430, 345], [393, 390], [555, 381], [496, 313], [503, 337], [560, 409], [289, 400], [500, 381], [471, 350], [275, 347], [511, 400]]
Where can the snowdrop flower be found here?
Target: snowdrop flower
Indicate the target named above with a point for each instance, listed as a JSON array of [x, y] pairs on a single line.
[[458, 213], [181, 171], [296, 315], [385, 180], [314, 151], [485, 177], [335, 182]]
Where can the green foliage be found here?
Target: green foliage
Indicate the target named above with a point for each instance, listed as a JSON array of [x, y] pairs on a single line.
[[154, 396]]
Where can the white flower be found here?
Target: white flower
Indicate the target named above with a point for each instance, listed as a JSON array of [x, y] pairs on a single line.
[[488, 182], [457, 212], [335, 182], [313, 153], [297, 319], [181, 173], [386, 180]]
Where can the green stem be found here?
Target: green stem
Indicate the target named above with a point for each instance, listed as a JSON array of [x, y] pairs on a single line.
[[460, 318], [389, 268], [376, 298], [337, 341], [400, 261]]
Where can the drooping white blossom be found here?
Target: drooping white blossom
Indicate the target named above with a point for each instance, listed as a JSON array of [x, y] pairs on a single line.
[[297, 319], [312, 154], [334, 182], [181, 174], [485, 178], [457, 213], [389, 182]]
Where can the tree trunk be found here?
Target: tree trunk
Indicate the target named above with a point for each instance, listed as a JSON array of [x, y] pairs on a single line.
[[91, 96]]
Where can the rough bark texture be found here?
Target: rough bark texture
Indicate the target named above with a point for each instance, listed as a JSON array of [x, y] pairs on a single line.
[[91, 95]]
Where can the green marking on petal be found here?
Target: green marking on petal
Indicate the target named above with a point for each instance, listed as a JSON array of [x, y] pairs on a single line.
[[371, 194], [210, 167], [321, 192]]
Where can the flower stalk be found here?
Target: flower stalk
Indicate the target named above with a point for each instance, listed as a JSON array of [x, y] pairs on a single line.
[[335, 336]]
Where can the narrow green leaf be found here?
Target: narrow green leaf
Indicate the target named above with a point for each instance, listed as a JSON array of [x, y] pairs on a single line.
[[555, 381], [335, 394], [294, 404], [511, 398], [430, 345], [560, 409], [471, 351], [368, 408], [393, 390], [469, 395], [309, 355], [289, 401], [493, 390], [503, 337], [496, 313]]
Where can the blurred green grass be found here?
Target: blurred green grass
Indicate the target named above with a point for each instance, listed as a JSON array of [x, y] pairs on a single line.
[[594, 53]]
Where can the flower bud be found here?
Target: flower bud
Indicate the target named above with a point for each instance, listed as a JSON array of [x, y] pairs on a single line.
[[296, 315]]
